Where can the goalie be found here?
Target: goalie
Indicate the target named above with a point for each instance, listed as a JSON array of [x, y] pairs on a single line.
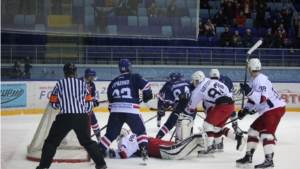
[[168, 150]]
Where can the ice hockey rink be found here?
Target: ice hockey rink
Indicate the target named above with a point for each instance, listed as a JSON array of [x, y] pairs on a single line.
[[17, 132]]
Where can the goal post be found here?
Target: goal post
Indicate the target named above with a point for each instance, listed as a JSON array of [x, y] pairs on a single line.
[[69, 150]]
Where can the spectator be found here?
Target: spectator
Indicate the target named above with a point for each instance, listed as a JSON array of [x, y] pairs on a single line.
[[204, 4], [260, 16], [152, 11], [162, 12], [240, 20], [229, 8], [21, 5], [201, 29], [247, 7], [173, 10], [237, 40], [287, 19], [122, 9], [209, 28], [280, 36], [27, 67], [275, 21], [133, 6], [269, 41], [102, 18], [238, 8], [220, 19], [15, 72], [248, 39], [297, 28], [109, 3], [225, 38]]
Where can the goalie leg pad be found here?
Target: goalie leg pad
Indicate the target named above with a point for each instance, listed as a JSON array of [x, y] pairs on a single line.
[[184, 126], [184, 148]]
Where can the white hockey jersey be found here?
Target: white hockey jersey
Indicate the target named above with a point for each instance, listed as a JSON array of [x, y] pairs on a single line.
[[209, 91], [263, 96], [127, 146]]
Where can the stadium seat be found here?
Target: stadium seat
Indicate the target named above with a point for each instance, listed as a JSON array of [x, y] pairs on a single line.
[[212, 4], [89, 20], [88, 10], [278, 6], [194, 21], [191, 4], [271, 5], [112, 20], [19, 20], [132, 21], [249, 23], [153, 21], [77, 3], [122, 30], [189, 30], [185, 12], [29, 19], [167, 31], [112, 29], [143, 20], [180, 4], [133, 30], [156, 30], [161, 3], [177, 30], [193, 12], [164, 21], [142, 12], [204, 13], [145, 30], [175, 21], [186, 21], [122, 21], [213, 12]]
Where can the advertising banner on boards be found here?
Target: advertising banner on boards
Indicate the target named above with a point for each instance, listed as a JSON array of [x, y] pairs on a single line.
[[13, 95]]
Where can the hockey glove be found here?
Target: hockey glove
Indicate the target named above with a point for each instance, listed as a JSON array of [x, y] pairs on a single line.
[[147, 98], [246, 88], [183, 98], [96, 102], [236, 128], [161, 113], [242, 113], [111, 153], [253, 112]]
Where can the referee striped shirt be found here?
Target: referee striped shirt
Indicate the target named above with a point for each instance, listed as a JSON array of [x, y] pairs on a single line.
[[71, 95]]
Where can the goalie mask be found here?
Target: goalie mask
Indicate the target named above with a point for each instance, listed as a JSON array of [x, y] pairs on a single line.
[[124, 132], [197, 78]]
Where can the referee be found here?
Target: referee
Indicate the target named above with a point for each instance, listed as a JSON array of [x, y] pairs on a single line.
[[72, 97]]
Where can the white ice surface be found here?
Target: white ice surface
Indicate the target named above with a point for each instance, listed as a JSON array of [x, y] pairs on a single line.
[[17, 132]]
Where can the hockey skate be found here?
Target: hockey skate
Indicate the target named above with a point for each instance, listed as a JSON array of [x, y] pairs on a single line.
[[246, 161], [101, 167], [241, 142], [219, 147], [208, 152], [267, 164], [144, 154]]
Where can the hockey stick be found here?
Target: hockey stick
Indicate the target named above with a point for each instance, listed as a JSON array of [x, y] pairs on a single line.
[[257, 44]]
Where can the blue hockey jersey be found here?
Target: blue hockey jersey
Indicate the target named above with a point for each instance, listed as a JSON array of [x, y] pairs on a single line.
[[123, 93], [92, 87]]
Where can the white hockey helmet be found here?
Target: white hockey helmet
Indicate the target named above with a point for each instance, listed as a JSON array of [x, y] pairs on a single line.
[[254, 64], [197, 76], [214, 73], [124, 132]]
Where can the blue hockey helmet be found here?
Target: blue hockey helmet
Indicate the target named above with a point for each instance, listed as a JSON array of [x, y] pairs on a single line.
[[175, 77], [89, 72], [124, 65], [181, 75]]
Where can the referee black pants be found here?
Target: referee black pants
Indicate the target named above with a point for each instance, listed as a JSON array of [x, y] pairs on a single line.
[[62, 125]]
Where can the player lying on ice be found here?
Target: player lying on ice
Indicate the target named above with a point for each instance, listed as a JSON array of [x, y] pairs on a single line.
[[169, 150]]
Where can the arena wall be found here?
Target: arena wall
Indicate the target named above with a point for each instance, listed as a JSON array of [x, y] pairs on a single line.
[[31, 97]]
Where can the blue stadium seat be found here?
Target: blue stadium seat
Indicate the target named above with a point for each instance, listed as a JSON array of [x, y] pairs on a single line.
[[189, 30], [77, 3], [185, 12], [160, 3], [148, 3], [156, 30], [29, 19], [193, 12], [212, 4], [278, 6], [39, 27], [132, 21], [143, 20], [122, 30], [271, 5], [112, 29], [112, 20], [142, 12], [19, 20], [186, 21], [145, 30], [133, 30], [213, 12], [88, 10], [177, 30], [89, 20], [191, 4], [122, 21], [175, 21], [218, 4], [180, 4], [153, 21], [167, 31], [249, 23], [164, 21], [90, 28], [204, 13], [40, 19], [267, 14], [194, 21]]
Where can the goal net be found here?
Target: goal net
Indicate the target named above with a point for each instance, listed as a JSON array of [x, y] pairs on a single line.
[[69, 151]]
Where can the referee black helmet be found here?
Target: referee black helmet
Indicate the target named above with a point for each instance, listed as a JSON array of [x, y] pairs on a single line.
[[69, 69]]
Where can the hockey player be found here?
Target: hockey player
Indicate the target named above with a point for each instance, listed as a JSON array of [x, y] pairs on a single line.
[[161, 111], [89, 76], [176, 88], [269, 105], [123, 97], [168, 150], [217, 93]]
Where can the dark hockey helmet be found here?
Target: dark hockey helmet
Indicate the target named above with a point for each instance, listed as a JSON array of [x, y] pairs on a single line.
[[124, 65], [175, 77], [69, 68], [90, 72]]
